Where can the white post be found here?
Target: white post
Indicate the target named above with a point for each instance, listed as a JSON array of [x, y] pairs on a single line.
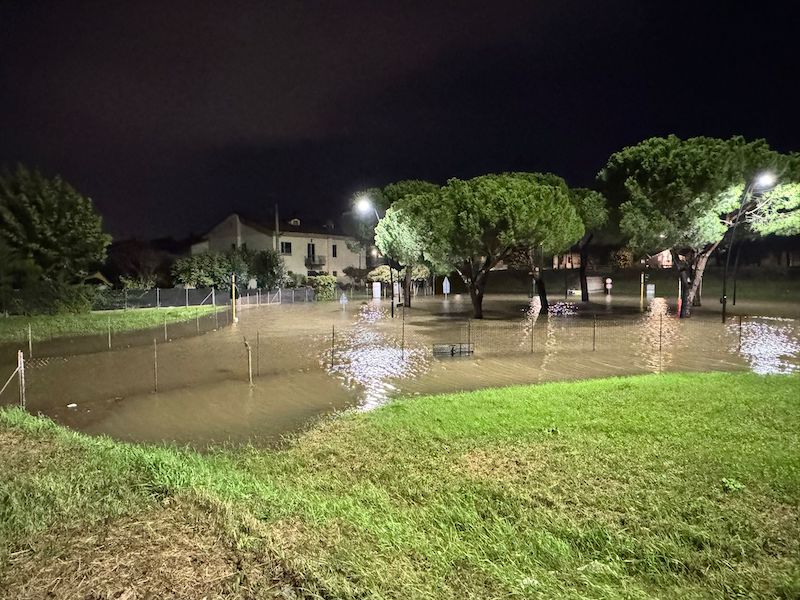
[[158, 298], [21, 375], [186, 292], [213, 298], [30, 341]]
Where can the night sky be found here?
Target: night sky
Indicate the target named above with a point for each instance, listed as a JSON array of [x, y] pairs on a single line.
[[171, 115]]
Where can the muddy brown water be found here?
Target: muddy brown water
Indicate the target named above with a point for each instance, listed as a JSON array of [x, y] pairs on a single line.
[[309, 360]]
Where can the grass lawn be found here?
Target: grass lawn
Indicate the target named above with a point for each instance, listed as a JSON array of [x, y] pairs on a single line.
[[43, 327], [661, 486]]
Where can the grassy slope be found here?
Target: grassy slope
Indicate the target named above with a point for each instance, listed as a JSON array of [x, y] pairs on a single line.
[[656, 486], [43, 327]]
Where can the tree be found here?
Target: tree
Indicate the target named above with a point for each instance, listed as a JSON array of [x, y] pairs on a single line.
[[15, 273], [50, 223], [268, 268], [396, 238], [591, 207], [472, 225], [138, 264], [683, 195]]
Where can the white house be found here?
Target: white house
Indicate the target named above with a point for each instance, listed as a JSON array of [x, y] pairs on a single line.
[[306, 249]]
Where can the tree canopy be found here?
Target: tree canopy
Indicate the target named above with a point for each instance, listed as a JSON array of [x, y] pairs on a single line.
[[473, 224], [50, 223], [683, 195]]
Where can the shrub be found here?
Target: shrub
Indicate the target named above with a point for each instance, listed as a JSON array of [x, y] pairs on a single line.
[[324, 286], [52, 298]]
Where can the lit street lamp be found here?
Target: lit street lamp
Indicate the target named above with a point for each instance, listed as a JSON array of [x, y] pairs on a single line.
[[759, 183], [364, 206]]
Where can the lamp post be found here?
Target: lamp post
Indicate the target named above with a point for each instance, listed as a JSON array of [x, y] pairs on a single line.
[[365, 206], [760, 183]]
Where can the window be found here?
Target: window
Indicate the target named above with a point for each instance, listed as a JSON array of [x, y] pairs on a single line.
[[286, 247], [333, 251], [311, 250]]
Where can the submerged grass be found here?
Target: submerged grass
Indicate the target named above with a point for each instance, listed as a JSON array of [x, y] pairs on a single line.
[[642, 487], [43, 327]]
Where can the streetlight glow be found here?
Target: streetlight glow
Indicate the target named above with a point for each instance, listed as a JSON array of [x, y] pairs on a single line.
[[765, 180], [364, 205]]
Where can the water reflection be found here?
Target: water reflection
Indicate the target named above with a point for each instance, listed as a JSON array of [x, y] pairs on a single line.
[[767, 343], [372, 359]]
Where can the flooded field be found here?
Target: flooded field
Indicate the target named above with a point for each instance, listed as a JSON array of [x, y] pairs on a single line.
[[310, 359]]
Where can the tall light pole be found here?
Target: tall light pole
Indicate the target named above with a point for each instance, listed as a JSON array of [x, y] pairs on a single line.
[[759, 183], [365, 206]]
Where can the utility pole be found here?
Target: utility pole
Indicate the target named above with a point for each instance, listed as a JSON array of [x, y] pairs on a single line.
[[233, 298]]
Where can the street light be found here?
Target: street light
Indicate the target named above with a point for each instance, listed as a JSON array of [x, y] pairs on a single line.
[[759, 183], [364, 206]]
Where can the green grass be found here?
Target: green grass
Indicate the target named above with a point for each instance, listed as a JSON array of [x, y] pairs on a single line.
[[43, 327], [662, 486]]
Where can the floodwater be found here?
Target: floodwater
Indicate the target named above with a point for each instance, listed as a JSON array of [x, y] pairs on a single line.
[[309, 360]]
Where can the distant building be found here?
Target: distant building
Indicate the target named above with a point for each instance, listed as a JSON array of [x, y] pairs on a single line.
[[306, 248], [662, 260]]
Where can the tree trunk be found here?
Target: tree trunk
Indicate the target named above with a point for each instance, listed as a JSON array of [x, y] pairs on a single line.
[[698, 268], [685, 275], [691, 274], [476, 290], [584, 250], [542, 294], [407, 287]]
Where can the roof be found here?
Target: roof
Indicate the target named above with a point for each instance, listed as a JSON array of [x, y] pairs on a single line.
[[306, 227]]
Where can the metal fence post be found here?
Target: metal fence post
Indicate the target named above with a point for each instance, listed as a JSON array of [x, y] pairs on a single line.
[[258, 354], [186, 293], [125, 296], [21, 376], [155, 365], [109, 332], [249, 362], [165, 327], [660, 335], [594, 332], [30, 342], [213, 297], [532, 323], [333, 343], [280, 296], [158, 298], [740, 333]]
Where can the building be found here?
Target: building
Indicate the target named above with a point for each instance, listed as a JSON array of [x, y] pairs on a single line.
[[306, 249]]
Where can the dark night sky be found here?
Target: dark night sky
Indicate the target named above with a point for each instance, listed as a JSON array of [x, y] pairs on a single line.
[[172, 114]]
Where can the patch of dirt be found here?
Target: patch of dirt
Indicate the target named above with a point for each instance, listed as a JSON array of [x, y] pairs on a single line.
[[175, 552], [506, 463], [27, 453]]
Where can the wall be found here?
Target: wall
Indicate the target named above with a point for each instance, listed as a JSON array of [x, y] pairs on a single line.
[[232, 233]]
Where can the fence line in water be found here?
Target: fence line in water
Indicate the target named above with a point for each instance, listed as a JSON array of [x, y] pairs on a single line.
[[654, 343]]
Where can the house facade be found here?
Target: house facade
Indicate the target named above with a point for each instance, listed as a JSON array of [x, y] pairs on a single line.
[[306, 249]]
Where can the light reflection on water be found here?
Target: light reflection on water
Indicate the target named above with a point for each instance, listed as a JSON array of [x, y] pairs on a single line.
[[370, 359], [768, 344], [378, 363]]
